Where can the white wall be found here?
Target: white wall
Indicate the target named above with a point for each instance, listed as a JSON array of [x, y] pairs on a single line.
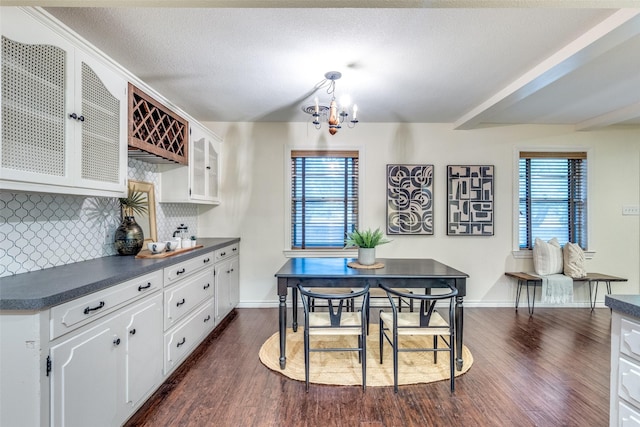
[[253, 192]]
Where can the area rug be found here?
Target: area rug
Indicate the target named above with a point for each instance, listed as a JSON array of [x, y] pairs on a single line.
[[342, 368]]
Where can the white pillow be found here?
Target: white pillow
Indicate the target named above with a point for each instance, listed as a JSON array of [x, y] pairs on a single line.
[[547, 257], [574, 261]]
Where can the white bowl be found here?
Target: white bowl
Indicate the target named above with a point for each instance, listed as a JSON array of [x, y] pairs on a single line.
[[157, 247]]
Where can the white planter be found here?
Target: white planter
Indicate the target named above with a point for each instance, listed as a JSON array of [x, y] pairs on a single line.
[[366, 256]]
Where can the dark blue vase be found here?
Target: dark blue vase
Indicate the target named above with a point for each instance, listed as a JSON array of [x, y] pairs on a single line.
[[129, 237]]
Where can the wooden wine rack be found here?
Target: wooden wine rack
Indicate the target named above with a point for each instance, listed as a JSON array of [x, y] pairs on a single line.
[[156, 134]]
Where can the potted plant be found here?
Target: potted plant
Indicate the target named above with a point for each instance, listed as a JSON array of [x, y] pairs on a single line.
[[366, 242], [129, 237]]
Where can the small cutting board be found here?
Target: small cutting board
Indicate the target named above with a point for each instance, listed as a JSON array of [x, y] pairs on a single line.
[[146, 253]]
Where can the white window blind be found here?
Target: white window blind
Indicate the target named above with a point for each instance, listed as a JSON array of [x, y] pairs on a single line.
[[324, 198], [553, 197]]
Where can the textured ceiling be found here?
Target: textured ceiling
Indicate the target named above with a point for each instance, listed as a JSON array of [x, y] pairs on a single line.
[[466, 66]]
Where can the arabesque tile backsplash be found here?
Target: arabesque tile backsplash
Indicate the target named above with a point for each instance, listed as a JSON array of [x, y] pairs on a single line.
[[46, 230]]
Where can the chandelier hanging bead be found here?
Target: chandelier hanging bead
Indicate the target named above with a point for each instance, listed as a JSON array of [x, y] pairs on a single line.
[[330, 114]]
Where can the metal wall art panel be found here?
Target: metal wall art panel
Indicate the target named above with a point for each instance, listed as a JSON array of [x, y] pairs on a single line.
[[409, 199], [470, 200]]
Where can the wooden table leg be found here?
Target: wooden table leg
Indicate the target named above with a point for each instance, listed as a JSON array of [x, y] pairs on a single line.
[[283, 331], [459, 325]]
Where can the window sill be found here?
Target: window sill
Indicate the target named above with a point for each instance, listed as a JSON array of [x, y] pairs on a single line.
[[528, 254], [321, 253]]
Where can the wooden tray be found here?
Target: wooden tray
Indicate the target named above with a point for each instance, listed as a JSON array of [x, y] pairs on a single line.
[[146, 253]]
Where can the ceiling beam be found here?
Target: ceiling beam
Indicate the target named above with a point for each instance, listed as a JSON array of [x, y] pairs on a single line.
[[615, 4], [616, 29], [629, 112]]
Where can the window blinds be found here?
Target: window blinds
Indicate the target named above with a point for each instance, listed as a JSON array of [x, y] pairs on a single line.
[[553, 197], [324, 198]]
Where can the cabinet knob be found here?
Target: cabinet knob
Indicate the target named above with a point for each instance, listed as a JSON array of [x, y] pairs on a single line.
[[208, 167], [133, 331], [116, 342], [73, 116], [81, 118]]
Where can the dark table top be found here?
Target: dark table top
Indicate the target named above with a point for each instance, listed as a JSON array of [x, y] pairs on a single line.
[[401, 268]]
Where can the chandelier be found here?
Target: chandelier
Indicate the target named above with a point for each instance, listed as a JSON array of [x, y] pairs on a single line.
[[330, 114]]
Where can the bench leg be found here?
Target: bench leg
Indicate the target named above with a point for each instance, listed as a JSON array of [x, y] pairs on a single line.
[[531, 302], [593, 295]]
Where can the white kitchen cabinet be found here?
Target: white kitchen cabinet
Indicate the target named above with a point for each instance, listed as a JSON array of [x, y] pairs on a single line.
[[227, 273], [189, 313], [200, 181], [180, 340], [625, 370], [99, 375], [64, 112]]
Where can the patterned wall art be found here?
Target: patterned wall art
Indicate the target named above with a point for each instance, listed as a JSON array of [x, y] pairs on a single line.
[[470, 200], [409, 199]]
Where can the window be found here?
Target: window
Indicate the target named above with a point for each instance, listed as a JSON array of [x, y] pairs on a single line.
[[324, 198], [553, 197]]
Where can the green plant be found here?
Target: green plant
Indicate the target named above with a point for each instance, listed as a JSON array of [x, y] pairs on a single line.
[[135, 202], [365, 238]]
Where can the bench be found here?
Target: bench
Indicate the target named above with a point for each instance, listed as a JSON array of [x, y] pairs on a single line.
[[530, 279]]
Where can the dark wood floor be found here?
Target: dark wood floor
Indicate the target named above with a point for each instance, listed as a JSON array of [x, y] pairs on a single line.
[[551, 369]]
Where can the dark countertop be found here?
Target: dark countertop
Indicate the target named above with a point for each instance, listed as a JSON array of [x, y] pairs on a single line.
[[42, 289], [625, 304]]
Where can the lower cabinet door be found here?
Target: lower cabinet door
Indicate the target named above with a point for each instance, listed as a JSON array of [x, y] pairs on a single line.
[[83, 378], [179, 341], [143, 356]]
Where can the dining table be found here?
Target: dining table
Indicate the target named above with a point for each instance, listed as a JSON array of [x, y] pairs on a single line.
[[421, 273]]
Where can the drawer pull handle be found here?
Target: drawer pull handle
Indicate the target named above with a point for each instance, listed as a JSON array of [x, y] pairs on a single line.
[[142, 288], [116, 342], [206, 260], [133, 331], [181, 342], [223, 254], [232, 269], [180, 271], [98, 307], [207, 319], [206, 286], [234, 249], [179, 303]]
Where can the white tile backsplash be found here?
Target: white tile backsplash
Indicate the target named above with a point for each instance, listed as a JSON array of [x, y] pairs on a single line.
[[46, 230]]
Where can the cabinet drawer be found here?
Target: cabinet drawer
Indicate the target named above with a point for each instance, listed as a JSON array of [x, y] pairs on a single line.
[[628, 416], [630, 338], [74, 314], [179, 271], [629, 381], [179, 342], [183, 297], [227, 251]]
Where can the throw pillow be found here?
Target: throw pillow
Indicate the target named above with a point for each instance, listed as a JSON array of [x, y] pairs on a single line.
[[547, 257], [574, 261]]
